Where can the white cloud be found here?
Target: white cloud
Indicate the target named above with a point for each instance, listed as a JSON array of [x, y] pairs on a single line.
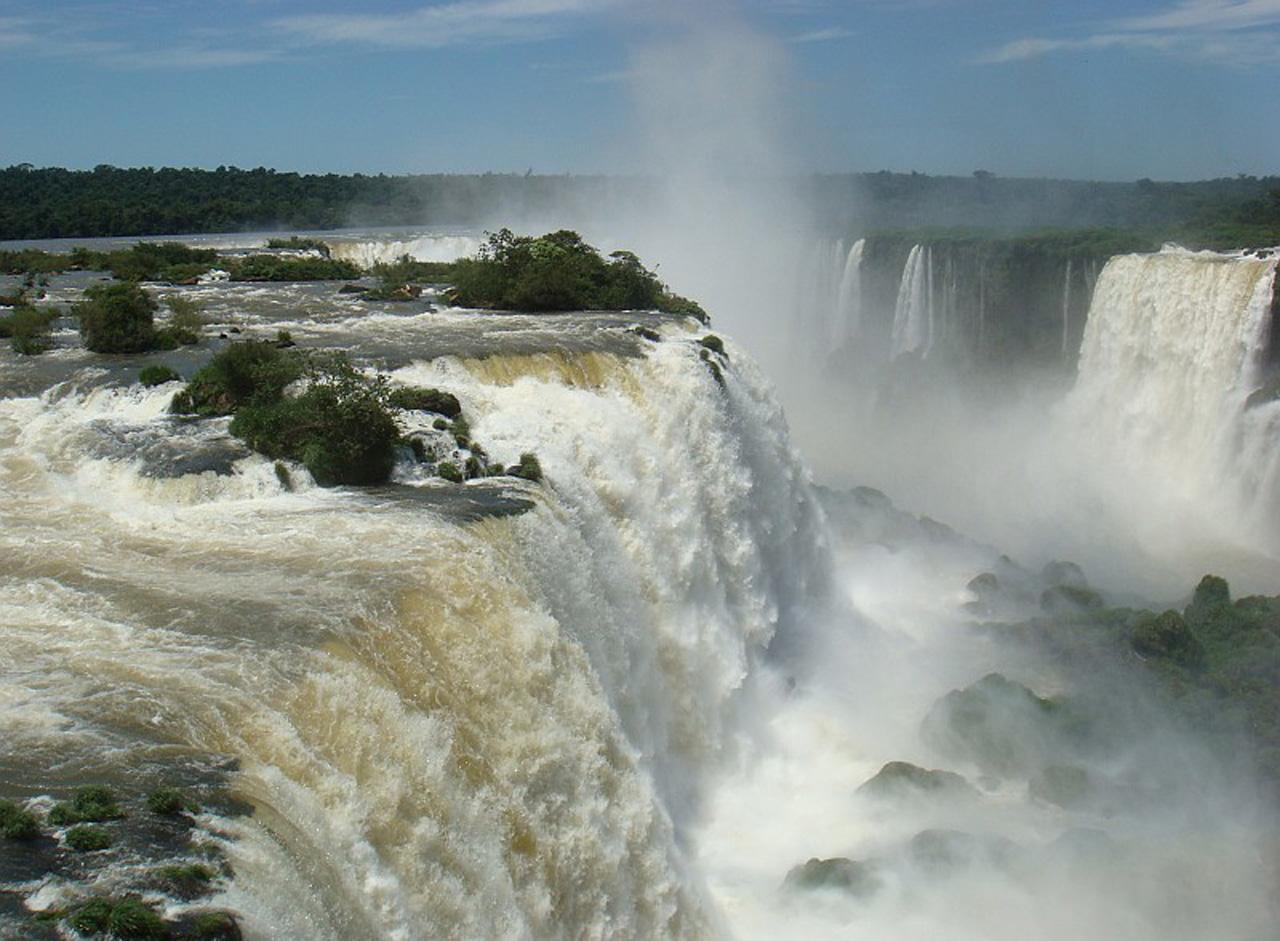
[[1208, 15], [1230, 32], [824, 35], [441, 24]]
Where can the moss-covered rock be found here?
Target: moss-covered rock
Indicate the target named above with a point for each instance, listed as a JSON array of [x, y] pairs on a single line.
[[151, 376], [901, 778], [845, 875], [529, 468], [1062, 573], [414, 398], [17, 823], [186, 880], [985, 586], [207, 926], [1168, 637], [87, 838], [449, 471], [170, 802], [941, 851], [1006, 729], [1068, 786], [91, 804], [1064, 599]]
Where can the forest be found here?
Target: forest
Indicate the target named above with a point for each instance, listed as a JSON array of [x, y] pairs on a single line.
[[40, 203]]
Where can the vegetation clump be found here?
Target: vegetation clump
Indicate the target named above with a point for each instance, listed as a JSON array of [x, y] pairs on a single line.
[[29, 329], [1005, 728], [91, 804], [242, 373], [559, 272], [169, 802], [118, 318], [276, 268], [529, 468], [87, 838], [126, 919], [187, 880], [17, 823], [415, 398], [341, 427], [151, 376], [1168, 637]]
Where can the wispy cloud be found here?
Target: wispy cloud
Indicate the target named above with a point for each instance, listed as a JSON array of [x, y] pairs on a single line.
[[823, 35], [1234, 32], [441, 24], [1209, 15], [15, 32]]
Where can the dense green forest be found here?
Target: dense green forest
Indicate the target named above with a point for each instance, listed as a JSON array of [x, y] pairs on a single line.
[[106, 201]]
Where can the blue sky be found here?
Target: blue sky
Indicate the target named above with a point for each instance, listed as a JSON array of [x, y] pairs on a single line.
[[1171, 89]]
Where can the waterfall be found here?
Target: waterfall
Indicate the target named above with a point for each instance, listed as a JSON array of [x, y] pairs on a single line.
[[1066, 312], [447, 727], [367, 252], [1173, 346], [847, 324], [913, 314]]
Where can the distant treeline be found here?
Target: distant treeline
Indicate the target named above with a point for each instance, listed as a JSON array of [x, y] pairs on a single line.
[[110, 201]]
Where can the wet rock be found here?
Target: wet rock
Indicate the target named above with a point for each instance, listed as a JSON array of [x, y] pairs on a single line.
[[1069, 599], [845, 875], [1057, 574], [903, 779], [942, 851], [1006, 729], [1066, 786], [1167, 637]]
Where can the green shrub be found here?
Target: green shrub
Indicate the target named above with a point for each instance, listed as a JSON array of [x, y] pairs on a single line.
[[90, 805], [214, 926], [449, 471], [117, 318], [275, 268], [713, 343], [169, 802], [86, 838], [28, 329], [413, 398], [406, 270], [92, 917], [529, 468], [559, 271], [1168, 637], [180, 274], [157, 376], [17, 823], [244, 372], [340, 427], [133, 919]]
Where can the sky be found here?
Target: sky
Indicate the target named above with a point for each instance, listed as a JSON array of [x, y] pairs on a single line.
[[1086, 89]]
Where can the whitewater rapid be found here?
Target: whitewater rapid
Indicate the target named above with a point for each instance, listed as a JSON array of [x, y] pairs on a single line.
[[446, 728]]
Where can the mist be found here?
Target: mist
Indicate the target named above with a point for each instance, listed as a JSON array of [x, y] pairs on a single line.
[[1020, 465]]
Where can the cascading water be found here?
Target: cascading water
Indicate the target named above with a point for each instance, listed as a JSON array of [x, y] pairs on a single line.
[[447, 728], [847, 322], [913, 316], [367, 252], [1173, 347]]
